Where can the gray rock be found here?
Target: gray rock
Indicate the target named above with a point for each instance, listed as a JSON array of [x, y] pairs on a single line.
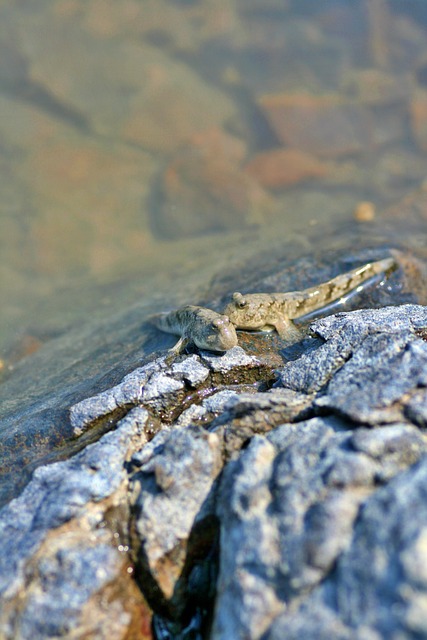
[[57, 493], [246, 601], [192, 370], [161, 389], [380, 373], [219, 402], [172, 494], [193, 415], [208, 409], [355, 370], [397, 446], [152, 448], [136, 421], [56, 552], [288, 489], [265, 408], [416, 408], [321, 624], [128, 392], [363, 322], [287, 508], [66, 582], [378, 589], [390, 441], [314, 369], [344, 333], [253, 413], [235, 357], [159, 386]]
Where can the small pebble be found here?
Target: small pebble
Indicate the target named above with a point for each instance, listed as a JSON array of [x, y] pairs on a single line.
[[364, 211]]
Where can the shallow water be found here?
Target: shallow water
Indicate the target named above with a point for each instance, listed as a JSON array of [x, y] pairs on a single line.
[[145, 145]]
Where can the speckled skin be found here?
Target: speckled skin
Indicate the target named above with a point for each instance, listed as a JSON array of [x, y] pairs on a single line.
[[204, 327], [268, 311]]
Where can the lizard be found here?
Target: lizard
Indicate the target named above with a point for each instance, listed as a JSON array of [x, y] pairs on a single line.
[[269, 311], [205, 328]]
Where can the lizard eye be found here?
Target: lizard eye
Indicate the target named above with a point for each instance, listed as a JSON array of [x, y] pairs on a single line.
[[239, 299]]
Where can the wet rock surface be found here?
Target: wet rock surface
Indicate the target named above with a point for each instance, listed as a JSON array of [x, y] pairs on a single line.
[[64, 565], [230, 498]]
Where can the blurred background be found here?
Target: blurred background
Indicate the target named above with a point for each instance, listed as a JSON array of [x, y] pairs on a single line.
[[140, 139]]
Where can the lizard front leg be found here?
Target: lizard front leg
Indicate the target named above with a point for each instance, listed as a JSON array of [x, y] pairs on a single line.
[[287, 330], [176, 350]]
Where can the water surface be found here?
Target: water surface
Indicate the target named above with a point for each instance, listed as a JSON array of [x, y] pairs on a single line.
[[144, 144]]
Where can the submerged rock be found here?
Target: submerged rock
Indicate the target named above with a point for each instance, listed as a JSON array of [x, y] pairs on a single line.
[[327, 126], [204, 190], [282, 167]]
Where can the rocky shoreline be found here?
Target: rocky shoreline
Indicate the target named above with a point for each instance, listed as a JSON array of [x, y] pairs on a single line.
[[231, 498]]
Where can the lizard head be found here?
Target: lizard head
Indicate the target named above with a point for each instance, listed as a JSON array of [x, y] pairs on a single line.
[[249, 311], [239, 300], [217, 335]]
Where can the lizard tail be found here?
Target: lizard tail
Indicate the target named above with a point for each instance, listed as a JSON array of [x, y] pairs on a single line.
[[161, 321]]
